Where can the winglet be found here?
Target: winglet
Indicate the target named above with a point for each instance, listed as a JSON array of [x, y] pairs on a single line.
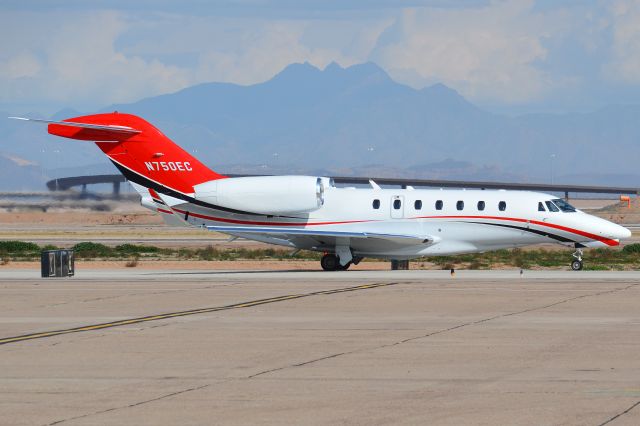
[[374, 185]]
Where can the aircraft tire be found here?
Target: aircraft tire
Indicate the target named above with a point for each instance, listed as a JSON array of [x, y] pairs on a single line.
[[345, 267], [330, 262], [576, 265]]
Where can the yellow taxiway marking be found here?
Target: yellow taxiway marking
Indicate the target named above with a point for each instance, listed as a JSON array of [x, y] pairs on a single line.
[[129, 321]]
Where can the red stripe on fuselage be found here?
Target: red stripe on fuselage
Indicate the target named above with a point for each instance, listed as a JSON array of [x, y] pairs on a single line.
[[589, 235]]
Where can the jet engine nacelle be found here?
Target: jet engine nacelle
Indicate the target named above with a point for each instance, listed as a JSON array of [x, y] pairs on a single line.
[[269, 195]]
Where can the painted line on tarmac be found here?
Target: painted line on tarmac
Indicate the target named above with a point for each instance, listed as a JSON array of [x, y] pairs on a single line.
[[93, 327]]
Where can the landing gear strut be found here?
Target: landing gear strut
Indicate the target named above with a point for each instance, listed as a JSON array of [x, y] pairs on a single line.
[[576, 264], [331, 262]]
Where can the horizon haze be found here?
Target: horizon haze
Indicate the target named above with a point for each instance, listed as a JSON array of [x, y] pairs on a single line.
[[353, 121]]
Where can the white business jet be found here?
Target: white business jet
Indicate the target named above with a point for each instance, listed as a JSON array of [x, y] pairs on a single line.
[[311, 213]]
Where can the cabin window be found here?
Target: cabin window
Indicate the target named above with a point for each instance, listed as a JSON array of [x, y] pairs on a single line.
[[397, 204], [541, 207], [502, 206], [552, 207], [460, 205], [564, 206], [439, 205], [376, 204], [418, 204], [480, 205]]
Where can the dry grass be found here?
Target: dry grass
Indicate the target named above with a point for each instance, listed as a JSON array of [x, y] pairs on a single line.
[[132, 263]]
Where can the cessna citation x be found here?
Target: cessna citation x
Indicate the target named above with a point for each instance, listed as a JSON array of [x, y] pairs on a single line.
[[311, 213]]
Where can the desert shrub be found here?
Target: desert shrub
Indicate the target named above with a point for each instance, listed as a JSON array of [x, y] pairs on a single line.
[[632, 248], [186, 253], [89, 249], [475, 264], [209, 253], [596, 268], [136, 249], [132, 263], [18, 247]]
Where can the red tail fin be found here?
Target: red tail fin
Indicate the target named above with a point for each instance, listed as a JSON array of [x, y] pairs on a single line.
[[141, 152]]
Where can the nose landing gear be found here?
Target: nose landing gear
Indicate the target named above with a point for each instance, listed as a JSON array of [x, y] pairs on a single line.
[[576, 264]]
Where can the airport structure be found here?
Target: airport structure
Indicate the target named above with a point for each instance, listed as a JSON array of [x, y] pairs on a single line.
[[63, 184]]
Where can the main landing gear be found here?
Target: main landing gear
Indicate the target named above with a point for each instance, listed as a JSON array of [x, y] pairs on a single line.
[[576, 264], [331, 262]]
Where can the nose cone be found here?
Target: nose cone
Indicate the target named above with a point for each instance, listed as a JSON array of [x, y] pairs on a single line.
[[620, 232], [609, 230]]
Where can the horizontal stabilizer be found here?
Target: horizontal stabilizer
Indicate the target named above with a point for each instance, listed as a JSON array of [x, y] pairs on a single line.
[[86, 131]]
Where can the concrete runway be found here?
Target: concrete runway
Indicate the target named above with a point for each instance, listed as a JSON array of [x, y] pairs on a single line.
[[386, 347]]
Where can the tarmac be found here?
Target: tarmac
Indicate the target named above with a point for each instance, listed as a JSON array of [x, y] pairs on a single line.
[[141, 347]]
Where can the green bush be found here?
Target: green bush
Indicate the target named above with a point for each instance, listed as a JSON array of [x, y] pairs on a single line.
[[597, 268], [208, 253], [89, 249], [632, 248], [136, 249], [13, 247]]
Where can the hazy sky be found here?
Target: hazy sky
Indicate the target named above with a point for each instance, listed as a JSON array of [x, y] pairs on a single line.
[[512, 55]]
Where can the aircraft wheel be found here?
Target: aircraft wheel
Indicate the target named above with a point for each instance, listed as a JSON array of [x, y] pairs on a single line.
[[345, 267], [576, 265], [330, 262]]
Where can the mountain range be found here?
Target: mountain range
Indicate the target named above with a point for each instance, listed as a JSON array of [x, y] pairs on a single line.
[[358, 121]]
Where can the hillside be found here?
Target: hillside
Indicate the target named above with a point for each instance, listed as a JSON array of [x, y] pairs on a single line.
[[357, 116], [357, 120]]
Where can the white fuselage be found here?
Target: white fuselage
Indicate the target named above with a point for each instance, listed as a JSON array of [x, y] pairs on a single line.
[[451, 222]]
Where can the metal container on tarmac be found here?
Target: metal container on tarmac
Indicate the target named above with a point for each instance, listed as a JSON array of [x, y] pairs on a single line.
[[57, 263]]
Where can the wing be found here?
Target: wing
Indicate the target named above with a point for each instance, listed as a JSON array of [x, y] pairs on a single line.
[[315, 232], [317, 239]]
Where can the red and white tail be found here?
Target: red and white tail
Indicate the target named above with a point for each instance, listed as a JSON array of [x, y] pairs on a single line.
[[140, 151]]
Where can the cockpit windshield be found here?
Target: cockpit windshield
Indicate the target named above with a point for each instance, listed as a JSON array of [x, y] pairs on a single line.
[[552, 207], [564, 206]]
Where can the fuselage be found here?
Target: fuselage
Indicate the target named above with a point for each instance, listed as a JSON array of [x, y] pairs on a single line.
[[452, 221]]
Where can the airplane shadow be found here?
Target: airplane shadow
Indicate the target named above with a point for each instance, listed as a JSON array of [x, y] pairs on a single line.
[[270, 271]]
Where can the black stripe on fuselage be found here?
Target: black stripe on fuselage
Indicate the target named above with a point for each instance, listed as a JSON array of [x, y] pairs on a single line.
[[148, 183], [534, 231]]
